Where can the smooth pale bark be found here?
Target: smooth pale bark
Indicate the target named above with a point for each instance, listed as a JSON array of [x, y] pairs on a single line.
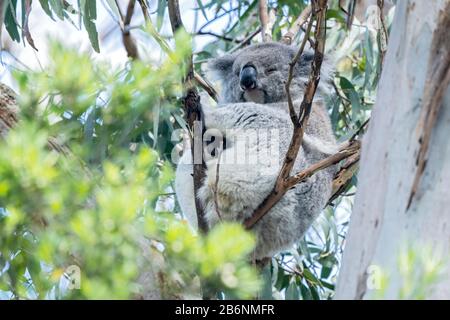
[[381, 225]]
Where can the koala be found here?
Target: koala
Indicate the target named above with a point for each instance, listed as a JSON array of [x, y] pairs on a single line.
[[253, 118]]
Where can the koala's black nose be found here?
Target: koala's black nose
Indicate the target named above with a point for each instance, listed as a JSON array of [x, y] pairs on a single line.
[[248, 78]]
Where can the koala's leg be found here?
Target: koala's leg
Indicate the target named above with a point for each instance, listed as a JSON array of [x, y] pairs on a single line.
[[278, 229], [292, 216]]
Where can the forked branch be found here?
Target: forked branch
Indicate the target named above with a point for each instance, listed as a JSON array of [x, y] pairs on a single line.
[[319, 9], [128, 41]]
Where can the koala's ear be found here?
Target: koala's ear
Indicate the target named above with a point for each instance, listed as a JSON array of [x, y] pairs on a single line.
[[221, 67]]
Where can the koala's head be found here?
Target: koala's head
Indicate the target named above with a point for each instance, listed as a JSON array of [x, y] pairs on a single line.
[[258, 72]]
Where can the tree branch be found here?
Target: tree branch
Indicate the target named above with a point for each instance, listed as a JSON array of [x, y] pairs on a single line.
[[194, 118], [319, 9], [215, 188], [128, 41], [144, 7], [350, 13], [305, 107], [343, 177], [246, 40], [219, 36], [344, 153], [383, 35], [292, 64], [299, 22], [263, 18], [208, 87]]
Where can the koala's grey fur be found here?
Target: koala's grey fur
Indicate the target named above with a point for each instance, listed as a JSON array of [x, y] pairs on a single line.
[[242, 187]]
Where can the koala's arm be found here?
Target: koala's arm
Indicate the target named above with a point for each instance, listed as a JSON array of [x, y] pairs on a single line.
[[184, 188], [236, 184], [249, 165]]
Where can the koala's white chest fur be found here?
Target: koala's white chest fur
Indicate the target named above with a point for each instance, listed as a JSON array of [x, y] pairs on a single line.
[[254, 95]]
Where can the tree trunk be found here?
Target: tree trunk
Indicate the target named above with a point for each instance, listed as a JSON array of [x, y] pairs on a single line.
[[403, 198], [8, 109]]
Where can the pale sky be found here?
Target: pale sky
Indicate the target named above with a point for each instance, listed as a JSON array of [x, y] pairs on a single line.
[[111, 47]]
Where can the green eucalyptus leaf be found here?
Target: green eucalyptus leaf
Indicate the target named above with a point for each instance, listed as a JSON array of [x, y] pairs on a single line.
[[113, 6], [160, 12], [306, 293], [10, 20], [292, 292], [89, 10], [45, 5], [266, 292], [58, 8]]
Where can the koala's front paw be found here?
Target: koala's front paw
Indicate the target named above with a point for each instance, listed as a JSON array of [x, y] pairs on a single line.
[[220, 205], [228, 197]]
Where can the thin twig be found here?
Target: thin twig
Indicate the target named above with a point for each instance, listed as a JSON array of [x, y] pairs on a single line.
[[144, 7], [129, 13], [202, 82], [310, 90], [360, 129], [344, 176], [128, 41], [383, 35], [246, 40], [219, 36], [346, 172], [119, 10], [216, 186], [340, 95], [218, 16], [292, 64], [310, 40], [350, 13]]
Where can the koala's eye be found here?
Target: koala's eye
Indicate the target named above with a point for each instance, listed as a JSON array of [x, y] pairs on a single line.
[[271, 70]]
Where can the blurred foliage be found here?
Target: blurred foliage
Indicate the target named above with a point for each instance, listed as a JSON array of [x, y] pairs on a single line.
[[119, 124], [419, 269], [92, 208]]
